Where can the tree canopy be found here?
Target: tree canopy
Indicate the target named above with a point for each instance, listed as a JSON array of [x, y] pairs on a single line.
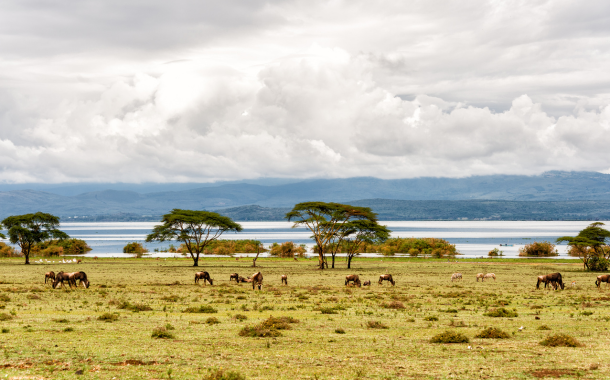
[[29, 229], [194, 228], [325, 221], [590, 242], [358, 233]]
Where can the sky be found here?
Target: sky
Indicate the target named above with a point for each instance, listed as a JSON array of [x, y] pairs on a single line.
[[199, 91]]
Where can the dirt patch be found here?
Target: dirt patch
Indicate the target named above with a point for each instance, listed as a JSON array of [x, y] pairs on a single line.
[[135, 362], [541, 373]]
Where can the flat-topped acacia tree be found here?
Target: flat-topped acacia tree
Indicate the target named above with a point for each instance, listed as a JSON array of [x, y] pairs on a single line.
[[28, 229], [194, 228], [325, 220], [357, 233], [592, 242]]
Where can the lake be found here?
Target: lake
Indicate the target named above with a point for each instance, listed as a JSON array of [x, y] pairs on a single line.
[[472, 238]]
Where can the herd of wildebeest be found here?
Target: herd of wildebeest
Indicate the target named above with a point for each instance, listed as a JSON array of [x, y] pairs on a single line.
[[553, 280]]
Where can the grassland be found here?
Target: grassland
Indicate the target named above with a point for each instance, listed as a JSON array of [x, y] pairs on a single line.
[[340, 332]]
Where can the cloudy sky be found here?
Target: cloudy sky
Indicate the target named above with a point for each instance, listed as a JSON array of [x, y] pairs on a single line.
[[191, 91]]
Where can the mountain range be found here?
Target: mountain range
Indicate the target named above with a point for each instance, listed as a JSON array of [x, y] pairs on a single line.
[[585, 194]]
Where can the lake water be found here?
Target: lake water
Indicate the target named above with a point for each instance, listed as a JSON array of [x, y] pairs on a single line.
[[472, 238]]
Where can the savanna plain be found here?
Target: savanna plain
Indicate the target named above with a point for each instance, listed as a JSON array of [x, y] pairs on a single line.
[[321, 329]]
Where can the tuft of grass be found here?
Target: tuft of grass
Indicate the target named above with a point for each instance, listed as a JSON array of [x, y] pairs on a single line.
[[212, 321], [501, 313], [169, 327], [543, 327], [220, 374], [328, 310], [206, 309], [340, 331], [431, 318], [171, 298], [561, 340], [259, 332], [4, 298], [62, 320], [395, 305], [376, 325], [268, 328], [162, 333], [450, 337], [68, 329], [492, 333], [240, 317], [5, 330], [136, 307], [108, 317], [5, 317], [33, 296]]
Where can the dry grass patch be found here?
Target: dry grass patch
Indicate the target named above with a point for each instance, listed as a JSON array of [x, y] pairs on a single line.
[[376, 325], [394, 305]]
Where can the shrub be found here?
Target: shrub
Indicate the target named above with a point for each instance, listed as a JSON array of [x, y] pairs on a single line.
[[449, 337], [68, 329], [539, 248], [206, 309], [492, 333], [417, 246], [171, 298], [598, 264], [5, 330], [287, 249], [162, 333], [108, 317], [340, 331], [431, 318], [139, 307], [169, 326], [543, 327], [259, 332], [269, 327], [495, 252], [62, 320], [501, 312], [220, 374], [74, 246], [561, 340], [240, 317], [328, 310], [135, 248], [212, 321], [4, 298], [7, 251], [5, 317], [376, 325]]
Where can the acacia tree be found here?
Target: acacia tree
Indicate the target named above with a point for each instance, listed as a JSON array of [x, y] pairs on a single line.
[[325, 220], [194, 228], [589, 243], [29, 229], [358, 233]]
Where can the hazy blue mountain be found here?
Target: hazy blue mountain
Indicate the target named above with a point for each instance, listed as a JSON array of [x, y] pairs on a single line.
[[121, 198]]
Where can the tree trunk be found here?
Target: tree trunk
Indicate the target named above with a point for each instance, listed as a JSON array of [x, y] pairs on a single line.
[[333, 264], [27, 259], [196, 261], [256, 258], [321, 260], [349, 261]]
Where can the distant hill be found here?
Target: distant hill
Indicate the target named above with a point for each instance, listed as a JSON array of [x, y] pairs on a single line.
[[123, 199]]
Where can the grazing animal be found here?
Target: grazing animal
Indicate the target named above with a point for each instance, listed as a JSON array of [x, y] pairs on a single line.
[[234, 276], [386, 277], [243, 279], [542, 279], [603, 278], [81, 277], [554, 279], [573, 283], [490, 275], [257, 280], [60, 278], [456, 276], [481, 276], [50, 276], [284, 279], [205, 276], [79, 261], [353, 278], [366, 283]]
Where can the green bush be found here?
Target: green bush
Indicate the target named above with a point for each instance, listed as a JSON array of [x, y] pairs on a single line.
[[561, 340], [340, 331], [5, 317], [240, 317], [492, 333], [135, 248], [598, 264], [162, 333], [5, 330], [212, 321], [539, 248], [4, 298], [206, 309], [259, 332], [449, 337], [328, 310], [501, 313], [431, 318], [543, 327], [220, 374], [68, 329], [269, 327], [7, 251], [495, 252], [287, 249]]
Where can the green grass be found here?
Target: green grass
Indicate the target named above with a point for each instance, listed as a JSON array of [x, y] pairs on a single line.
[[59, 333]]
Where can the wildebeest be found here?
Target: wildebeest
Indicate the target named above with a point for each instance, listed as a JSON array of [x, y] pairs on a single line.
[[257, 280], [81, 277], [284, 279], [366, 283], [50, 276], [234, 276], [554, 279], [205, 276], [481, 276], [60, 278], [243, 279], [456, 276], [353, 278], [603, 278], [490, 275], [386, 277]]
